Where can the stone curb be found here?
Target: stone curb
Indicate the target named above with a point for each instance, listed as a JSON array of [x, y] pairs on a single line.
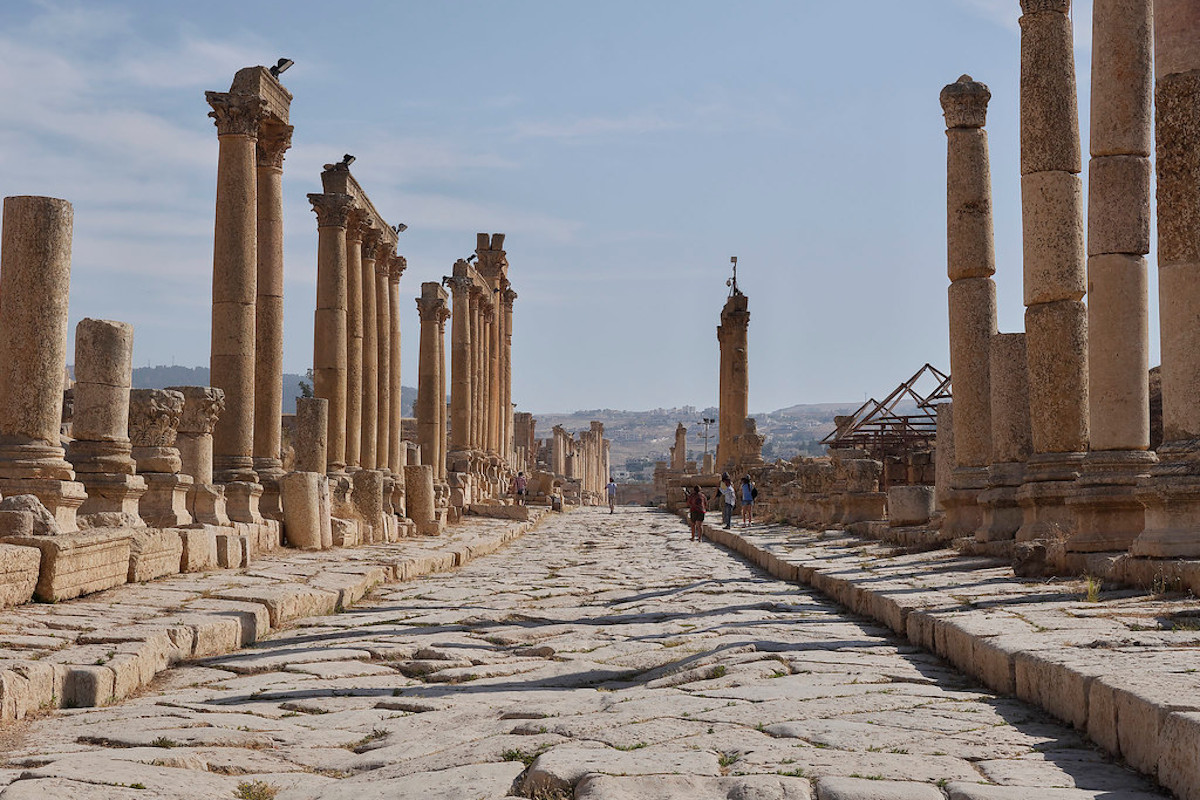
[[103, 666], [1153, 723]]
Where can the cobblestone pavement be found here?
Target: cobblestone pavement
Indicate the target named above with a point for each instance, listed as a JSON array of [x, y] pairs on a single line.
[[600, 656]]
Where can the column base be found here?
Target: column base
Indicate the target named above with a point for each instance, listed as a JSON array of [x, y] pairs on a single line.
[[964, 515], [1171, 495], [233, 469], [164, 505], [34, 461], [269, 471], [1002, 514], [206, 504], [61, 498], [241, 501], [1049, 481], [112, 493], [1109, 515]]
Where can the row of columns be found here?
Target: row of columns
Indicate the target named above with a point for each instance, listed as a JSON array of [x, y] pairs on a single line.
[[1057, 418]]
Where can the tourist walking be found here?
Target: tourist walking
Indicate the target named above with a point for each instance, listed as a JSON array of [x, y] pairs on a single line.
[[612, 494], [749, 494], [697, 504], [727, 501], [520, 488]]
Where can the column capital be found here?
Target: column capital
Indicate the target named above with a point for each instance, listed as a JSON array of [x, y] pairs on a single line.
[[371, 238], [965, 103], [202, 406], [332, 209], [509, 296], [461, 284], [274, 141], [396, 266], [236, 114], [154, 417], [1034, 6], [432, 302], [357, 224], [384, 253]]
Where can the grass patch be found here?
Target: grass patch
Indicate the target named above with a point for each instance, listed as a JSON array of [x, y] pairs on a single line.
[[256, 790], [1091, 589], [628, 747], [163, 741], [727, 759]]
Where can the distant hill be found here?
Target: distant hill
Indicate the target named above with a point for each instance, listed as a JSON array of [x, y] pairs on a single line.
[[163, 376]]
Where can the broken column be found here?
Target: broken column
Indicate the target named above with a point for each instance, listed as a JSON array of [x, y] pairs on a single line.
[[202, 407], [1172, 493], [679, 451], [154, 416], [307, 506], [101, 452], [1011, 445], [734, 377], [329, 350], [972, 297], [35, 283], [1054, 280], [1108, 511]]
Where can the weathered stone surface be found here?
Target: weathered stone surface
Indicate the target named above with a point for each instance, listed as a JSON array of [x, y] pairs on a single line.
[[18, 573], [75, 564], [153, 553], [43, 522]]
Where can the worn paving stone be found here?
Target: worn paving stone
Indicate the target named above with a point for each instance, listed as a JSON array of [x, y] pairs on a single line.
[[600, 656]]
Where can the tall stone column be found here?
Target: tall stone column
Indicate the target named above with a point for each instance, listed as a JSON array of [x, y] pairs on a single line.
[[1011, 445], [430, 305], [679, 454], [1172, 494], [970, 263], [439, 465], [368, 453], [101, 452], [354, 339], [329, 350], [460, 360], [35, 285], [1054, 284], [489, 342], [1109, 513], [273, 142], [202, 406], [506, 405], [396, 459], [383, 320], [735, 379], [477, 394], [235, 282]]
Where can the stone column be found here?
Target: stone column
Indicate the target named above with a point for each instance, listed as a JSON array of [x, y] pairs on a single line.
[[1011, 445], [506, 405], [460, 361], [420, 498], [679, 454], [430, 305], [101, 452], [972, 297], [307, 522], [354, 339], [478, 302], [1172, 494], [312, 432], [329, 351], [35, 285], [735, 380], [1109, 514], [396, 459], [202, 406], [383, 358], [368, 453], [443, 421], [273, 142], [1054, 285], [235, 284], [153, 426], [489, 387]]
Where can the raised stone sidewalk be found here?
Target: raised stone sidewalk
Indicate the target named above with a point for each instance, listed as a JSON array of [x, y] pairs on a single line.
[[1122, 666], [106, 647]]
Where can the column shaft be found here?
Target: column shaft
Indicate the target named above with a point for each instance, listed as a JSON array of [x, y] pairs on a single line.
[[383, 320], [460, 366], [368, 454], [329, 350], [395, 406], [354, 340]]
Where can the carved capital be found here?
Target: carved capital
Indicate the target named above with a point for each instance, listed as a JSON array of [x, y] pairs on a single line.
[[384, 253], [273, 142], [460, 284], [509, 296], [333, 210], [202, 406], [236, 114], [371, 238], [396, 266], [430, 308], [357, 224], [965, 103], [154, 417]]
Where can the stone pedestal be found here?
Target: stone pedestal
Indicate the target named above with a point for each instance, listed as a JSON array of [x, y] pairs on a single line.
[[35, 282], [242, 500], [202, 405], [1108, 509], [153, 425], [1049, 483], [909, 505], [307, 523], [1011, 439]]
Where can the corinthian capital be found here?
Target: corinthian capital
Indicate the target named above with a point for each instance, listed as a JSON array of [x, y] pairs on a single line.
[[333, 209], [357, 224], [370, 242], [460, 284], [202, 405], [432, 302], [509, 297], [965, 103], [154, 417], [396, 266], [273, 141], [384, 253], [239, 114]]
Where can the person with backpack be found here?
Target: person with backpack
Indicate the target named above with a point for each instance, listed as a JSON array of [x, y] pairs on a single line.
[[749, 495], [697, 504], [727, 500]]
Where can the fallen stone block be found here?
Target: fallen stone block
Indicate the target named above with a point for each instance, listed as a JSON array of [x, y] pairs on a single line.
[[153, 553], [18, 574], [75, 564], [199, 549]]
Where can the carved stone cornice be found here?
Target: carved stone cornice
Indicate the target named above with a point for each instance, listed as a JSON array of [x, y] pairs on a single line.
[[965, 103], [371, 238], [357, 225], [154, 417], [236, 114], [333, 209], [274, 140], [396, 266], [202, 406]]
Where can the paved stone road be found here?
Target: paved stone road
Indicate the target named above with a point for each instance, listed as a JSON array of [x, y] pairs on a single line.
[[601, 655]]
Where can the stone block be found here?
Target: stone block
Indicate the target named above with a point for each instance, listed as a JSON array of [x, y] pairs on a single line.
[[1179, 754], [18, 574], [1177, 110], [164, 505], [1049, 108], [909, 505], [153, 553], [1119, 205], [344, 532], [1056, 348], [840, 788], [87, 686], [1011, 436], [75, 564], [1118, 352], [368, 503], [1052, 224], [303, 524], [1122, 78], [232, 551], [199, 549]]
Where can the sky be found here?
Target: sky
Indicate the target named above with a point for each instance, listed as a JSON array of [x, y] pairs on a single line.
[[626, 148]]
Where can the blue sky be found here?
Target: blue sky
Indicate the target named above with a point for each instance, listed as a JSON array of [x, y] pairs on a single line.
[[628, 149]]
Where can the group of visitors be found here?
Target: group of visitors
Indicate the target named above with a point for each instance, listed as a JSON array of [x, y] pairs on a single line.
[[519, 489], [727, 498]]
